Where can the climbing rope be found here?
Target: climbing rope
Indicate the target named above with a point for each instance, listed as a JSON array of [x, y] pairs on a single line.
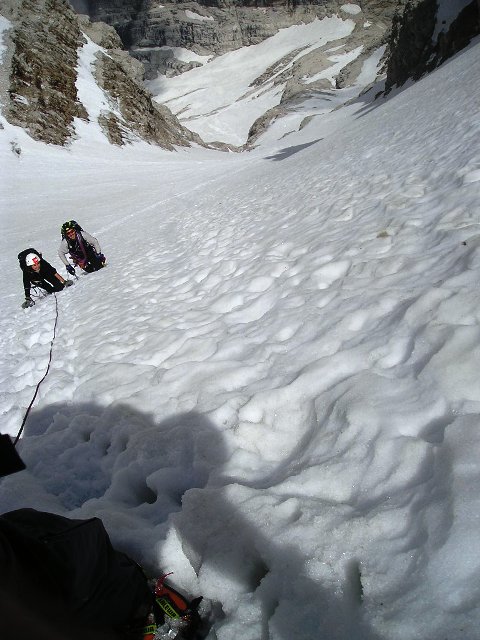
[[44, 376]]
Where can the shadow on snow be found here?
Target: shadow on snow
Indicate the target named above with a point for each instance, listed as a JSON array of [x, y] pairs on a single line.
[[118, 464]]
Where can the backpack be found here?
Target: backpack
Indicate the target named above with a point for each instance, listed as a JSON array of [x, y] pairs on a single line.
[[23, 254], [63, 574]]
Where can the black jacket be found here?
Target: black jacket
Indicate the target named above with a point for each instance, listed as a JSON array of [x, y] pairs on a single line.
[[46, 274], [61, 579]]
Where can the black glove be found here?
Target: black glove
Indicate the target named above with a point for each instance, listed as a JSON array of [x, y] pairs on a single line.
[[70, 269], [102, 258], [28, 303], [68, 283]]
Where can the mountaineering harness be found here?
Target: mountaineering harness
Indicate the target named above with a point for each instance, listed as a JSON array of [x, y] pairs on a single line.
[[79, 240], [81, 251], [173, 616]]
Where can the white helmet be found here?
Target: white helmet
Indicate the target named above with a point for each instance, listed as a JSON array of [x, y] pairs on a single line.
[[32, 259]]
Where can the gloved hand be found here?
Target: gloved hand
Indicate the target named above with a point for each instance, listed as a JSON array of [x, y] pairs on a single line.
[[102, 258], [68, 283], [70, 269], [28, 303]]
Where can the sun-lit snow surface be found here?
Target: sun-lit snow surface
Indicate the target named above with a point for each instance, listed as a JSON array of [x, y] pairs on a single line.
[[272, 389]]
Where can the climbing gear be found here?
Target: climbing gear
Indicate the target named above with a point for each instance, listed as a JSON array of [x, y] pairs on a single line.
[[172, 603], [28, 303], [83, 249], [77, 247], [150, 628], [68, 283], [173, 616]]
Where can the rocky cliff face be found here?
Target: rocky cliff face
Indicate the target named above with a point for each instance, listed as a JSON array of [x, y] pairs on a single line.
[[151, 30], [425, 33], [38, 85], [132, 112], [42, 97]]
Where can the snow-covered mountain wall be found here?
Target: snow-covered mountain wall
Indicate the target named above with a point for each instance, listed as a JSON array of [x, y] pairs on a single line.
[[49, 48], [154, 31], [421, 33], [171, 38]]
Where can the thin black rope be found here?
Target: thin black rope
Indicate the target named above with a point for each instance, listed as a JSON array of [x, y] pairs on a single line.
[[44, 376]]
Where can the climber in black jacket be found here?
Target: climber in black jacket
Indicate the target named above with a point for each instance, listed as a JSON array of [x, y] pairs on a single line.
[[37, 272]]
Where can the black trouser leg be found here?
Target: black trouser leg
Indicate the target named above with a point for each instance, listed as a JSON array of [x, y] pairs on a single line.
[[50, 287], [94, 262]]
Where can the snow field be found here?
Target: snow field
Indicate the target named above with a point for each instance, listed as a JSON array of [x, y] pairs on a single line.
[[271, 389]]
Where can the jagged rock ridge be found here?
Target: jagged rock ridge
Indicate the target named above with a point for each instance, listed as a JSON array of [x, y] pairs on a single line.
[[154, 31], [43, 96], [41, 93]]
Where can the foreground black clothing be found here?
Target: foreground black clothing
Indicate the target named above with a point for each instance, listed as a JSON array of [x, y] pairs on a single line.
[[45, 278], [61, 579], [94, 262]]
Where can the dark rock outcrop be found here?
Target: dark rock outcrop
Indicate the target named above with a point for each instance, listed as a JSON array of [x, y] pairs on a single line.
[[139, 114], [417, 44], [461, 32]]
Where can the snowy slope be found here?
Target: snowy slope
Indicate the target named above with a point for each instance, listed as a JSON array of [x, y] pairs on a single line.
[[271, 390]]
